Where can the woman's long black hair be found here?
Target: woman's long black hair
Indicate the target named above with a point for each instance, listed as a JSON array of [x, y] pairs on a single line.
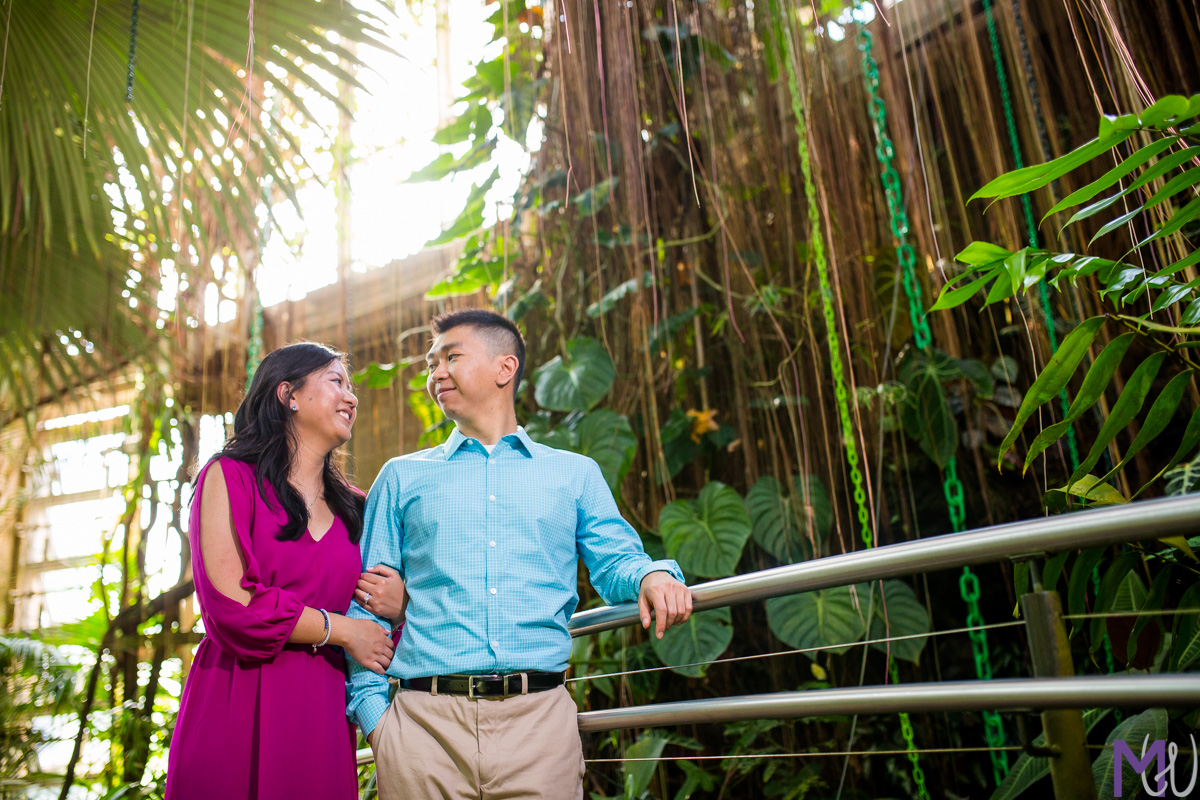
[[264, 435]]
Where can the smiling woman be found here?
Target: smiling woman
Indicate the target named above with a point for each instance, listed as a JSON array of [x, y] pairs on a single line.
[[274, 537]]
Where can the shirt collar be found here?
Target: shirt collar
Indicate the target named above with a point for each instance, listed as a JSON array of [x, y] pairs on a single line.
[[517, 441]]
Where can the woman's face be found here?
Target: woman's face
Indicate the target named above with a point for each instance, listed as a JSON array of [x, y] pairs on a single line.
[[325, 407]]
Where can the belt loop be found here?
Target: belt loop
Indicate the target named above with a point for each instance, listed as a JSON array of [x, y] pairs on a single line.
[[524, 683], [433, 688]]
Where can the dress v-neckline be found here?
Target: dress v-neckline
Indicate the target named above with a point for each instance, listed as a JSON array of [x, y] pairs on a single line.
[[321, 538]]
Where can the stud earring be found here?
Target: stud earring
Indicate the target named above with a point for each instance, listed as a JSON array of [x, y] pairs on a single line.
[[294, 408]]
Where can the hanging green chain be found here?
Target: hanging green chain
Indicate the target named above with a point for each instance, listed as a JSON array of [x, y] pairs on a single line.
[[906, 729], [818, 251], [953, 488], [885, 151], [1027, 207], [254, 348]]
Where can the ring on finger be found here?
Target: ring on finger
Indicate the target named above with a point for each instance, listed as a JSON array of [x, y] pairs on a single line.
[[367, 599]]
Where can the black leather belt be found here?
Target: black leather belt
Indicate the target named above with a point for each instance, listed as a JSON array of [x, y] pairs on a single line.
[[494, 687]]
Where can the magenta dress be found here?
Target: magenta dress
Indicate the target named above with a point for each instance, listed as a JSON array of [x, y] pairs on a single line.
[[260, 718]]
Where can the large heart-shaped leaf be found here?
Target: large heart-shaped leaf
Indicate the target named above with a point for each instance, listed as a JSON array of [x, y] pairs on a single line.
[[899, 613], [606, 437], [706, 536], [576, 382], [784, 525], [703, 637], [824, 618], [925, 415]]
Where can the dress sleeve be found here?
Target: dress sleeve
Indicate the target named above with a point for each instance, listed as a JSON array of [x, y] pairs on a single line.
[[254, 632]]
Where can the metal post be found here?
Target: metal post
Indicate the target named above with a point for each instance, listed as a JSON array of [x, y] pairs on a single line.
[[1070, 767]]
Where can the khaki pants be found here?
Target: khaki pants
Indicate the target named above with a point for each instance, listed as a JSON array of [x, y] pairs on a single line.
[[451, 746]]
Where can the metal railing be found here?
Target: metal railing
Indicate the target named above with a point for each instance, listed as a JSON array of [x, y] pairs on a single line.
[[1055, 692]]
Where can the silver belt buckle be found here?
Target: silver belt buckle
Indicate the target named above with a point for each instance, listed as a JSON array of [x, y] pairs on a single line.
[[471, 686]]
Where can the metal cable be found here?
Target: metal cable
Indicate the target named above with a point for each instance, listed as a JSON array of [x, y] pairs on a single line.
[[801, 650], [1165, 612], [934, 750]]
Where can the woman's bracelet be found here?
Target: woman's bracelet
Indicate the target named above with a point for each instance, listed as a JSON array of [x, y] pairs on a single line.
[[328, 630]]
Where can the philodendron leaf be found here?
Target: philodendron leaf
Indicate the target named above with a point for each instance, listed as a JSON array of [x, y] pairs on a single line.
[[576, 382], [784, 525], [824, 618], [1094, 384], [706, 536], [1051, 380], [605, 436], [899, 613], [1122, 413], [703, 637], [1134, 731]]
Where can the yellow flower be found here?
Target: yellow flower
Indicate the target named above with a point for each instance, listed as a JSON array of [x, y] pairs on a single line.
[[702, 422]]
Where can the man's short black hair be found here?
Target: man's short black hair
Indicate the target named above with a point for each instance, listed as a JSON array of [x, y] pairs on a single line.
[[502, 335]]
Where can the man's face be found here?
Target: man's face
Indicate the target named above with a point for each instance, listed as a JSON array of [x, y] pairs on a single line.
[[463, 372]]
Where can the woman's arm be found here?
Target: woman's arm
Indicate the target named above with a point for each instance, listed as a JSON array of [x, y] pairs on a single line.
[[255, 620]]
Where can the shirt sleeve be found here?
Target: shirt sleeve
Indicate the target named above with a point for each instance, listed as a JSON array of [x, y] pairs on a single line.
[[609, 546], [382, 543], [257, 631]]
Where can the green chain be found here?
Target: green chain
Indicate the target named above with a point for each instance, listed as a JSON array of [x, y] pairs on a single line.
[[885, 151], [818, 249], [953, 488], [254, 348], [906, 729], [1027, 207]]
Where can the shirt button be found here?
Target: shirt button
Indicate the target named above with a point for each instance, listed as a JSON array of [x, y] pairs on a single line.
[[492, 498], [495, 645], [493, 591], [491, 544]]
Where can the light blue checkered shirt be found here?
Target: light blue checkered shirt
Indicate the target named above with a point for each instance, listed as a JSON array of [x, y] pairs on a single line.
[[488, 546]]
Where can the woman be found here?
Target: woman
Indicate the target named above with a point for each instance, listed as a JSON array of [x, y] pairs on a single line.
[[274, 531]]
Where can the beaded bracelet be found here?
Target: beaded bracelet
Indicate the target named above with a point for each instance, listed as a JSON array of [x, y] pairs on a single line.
[[328, 630]]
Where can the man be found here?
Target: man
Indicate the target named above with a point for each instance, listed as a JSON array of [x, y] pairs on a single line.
[[486, 530]]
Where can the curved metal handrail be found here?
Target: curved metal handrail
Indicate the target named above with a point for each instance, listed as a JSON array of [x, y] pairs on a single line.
[[1149, 519]]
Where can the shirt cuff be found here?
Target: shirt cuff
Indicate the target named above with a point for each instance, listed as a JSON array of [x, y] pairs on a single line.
[[370, 711], [666, 565]]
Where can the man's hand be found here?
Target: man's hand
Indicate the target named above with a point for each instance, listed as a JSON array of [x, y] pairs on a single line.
[[670, 599]]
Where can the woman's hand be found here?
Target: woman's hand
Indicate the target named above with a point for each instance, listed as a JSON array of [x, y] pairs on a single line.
[[381, 592], [365, 640]]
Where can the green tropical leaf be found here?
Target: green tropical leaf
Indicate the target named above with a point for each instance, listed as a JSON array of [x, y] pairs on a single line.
[[1052, 379], [825, 618], [925, 414], [1023, 181], [605, 436], [1150, 724], [595, 199], [782, 524], [1028, 770], [471, 217], [899, 613], [951, 297], [576, 382], [1088, 488], [638, 772], [609, 301], [1160, 414], [702, 638], [1123, 411], [1185, 638], [706, 536], [1112, 585], [1153, 602], [1077, 586], [1094, 384], [1112, 176]]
